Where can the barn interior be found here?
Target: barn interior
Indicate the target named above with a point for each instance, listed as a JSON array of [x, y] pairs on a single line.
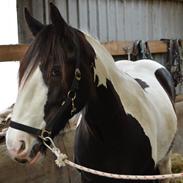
[[129, 29]]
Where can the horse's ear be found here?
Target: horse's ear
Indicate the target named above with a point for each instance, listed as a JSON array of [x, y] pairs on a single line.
[[57, 19], [34, 25]]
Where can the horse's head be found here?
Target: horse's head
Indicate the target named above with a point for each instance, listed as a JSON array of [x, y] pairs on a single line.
[[55, 81]]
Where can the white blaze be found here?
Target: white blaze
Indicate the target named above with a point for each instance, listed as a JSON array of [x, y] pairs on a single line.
[[29, 108], [32, 97]]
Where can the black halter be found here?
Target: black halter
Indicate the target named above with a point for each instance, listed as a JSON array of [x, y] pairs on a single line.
[[67, 103]]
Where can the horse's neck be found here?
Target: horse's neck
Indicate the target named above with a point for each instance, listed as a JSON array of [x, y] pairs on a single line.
[[106, 70], [105, 67], [107, 105]]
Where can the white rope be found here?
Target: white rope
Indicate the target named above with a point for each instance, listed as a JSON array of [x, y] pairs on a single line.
[[63, 161]]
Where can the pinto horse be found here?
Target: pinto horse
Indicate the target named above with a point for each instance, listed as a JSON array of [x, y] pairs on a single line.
[[128, 120]]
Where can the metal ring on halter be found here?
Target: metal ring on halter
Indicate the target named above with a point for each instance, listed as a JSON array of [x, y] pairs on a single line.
[[48, 139], [78, 74], [45, 134], [72, 95]]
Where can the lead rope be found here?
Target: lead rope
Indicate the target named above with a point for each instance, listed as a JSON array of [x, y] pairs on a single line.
[[61, 160]]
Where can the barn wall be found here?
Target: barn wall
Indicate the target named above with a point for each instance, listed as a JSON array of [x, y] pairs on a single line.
[[112, 19], [117, 19]]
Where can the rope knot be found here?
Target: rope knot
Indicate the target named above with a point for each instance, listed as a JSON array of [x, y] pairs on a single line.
[[60, 157]]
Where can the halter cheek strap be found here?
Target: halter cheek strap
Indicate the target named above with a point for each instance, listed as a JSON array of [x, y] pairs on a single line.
[[69, 102], [59, 118]]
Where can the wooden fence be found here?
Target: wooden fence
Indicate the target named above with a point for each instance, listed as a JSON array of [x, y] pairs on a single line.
[[116, 48]]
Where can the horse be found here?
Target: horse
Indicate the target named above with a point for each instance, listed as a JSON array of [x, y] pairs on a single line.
[[128, 121]]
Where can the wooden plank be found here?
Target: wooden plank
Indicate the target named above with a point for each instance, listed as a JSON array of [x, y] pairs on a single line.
[[157, 47], [179, 98], [12, 52], [116, 48]]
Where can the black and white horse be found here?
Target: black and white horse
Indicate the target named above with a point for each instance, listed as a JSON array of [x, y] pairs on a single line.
[[128, 120]]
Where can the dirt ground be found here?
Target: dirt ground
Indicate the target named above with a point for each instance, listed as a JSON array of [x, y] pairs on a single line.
[[45, 171], [177, 166]]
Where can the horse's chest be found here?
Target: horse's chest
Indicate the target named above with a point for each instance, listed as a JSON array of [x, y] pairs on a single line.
[[117, 150]]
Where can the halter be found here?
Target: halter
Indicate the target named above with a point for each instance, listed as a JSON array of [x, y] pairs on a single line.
[[69, 101]]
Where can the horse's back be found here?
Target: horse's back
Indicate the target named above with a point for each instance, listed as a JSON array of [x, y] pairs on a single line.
[[151, 72], [158, 93]]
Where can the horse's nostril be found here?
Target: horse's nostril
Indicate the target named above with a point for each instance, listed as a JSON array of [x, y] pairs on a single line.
[[21, 160], [22, 147]]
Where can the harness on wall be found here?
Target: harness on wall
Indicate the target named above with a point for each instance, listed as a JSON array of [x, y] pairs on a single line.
[[174, 59], [141, 51]]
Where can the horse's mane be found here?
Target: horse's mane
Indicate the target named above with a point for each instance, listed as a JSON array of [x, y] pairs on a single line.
[[47, 50], [43, 51], [105, 64], [102, 54]]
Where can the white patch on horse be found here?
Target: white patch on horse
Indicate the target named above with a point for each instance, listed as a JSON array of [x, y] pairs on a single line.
[[29, 107], [147, 107], [102, 58], [155, 95]]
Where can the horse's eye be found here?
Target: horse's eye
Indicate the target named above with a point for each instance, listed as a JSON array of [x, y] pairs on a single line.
[[55, 72]]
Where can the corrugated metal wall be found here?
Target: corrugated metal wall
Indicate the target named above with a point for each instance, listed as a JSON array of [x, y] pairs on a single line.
[[125, 19], [112, 19], [117, 19]]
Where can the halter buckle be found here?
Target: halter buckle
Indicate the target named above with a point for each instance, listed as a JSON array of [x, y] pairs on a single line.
[[44, 134], [78, 74], [72, 95]]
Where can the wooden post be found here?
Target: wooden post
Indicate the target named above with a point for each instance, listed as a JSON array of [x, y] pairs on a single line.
[[12, 52]]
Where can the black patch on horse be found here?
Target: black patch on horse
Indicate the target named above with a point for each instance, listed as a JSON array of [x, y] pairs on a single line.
[[142, 83], [166, 81], [110, 140]]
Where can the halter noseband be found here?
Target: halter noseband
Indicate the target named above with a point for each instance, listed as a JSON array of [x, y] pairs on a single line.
[[69, 101]]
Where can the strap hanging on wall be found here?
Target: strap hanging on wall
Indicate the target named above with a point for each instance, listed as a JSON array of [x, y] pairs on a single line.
[[174, 59], [141, 50]]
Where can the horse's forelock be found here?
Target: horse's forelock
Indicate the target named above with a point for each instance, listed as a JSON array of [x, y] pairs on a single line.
[[45, 50], [50, 49]]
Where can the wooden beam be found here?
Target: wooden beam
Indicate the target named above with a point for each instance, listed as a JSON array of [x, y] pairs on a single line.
[[116, 48], [157, 47], [12, 52]]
